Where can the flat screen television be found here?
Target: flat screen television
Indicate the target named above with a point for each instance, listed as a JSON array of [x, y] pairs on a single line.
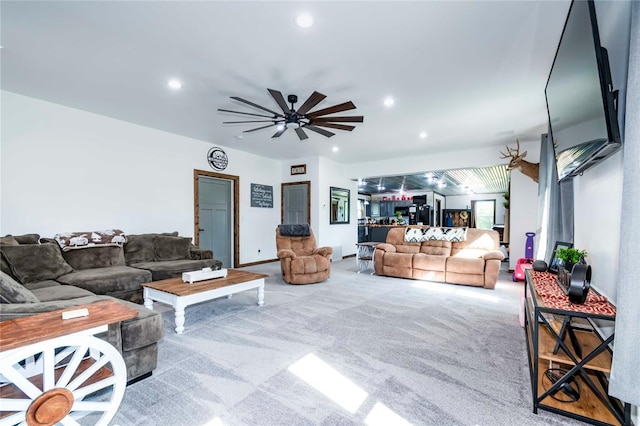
[[581, 103]]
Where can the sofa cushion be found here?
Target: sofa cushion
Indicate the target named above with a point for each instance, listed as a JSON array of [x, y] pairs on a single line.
[[12, 291], [139, 248], [95, 257], [112, 280], [309, 264], [36, 262], [435, 247], [41, 284], [61, 292], [175, 268], [428, 262], [462, 265], [408, 248], [171, 248]]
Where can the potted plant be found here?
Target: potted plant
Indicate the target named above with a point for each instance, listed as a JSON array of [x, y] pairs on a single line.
[[400, 218], [570, 256]]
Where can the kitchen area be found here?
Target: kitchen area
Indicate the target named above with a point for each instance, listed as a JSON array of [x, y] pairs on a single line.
[[377, 214]]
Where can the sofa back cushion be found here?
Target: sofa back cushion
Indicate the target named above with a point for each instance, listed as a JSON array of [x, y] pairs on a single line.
[[477, 243], [139, 248], [95, 257], [36, 262], [170, 248], [436, 247], [12, 291]]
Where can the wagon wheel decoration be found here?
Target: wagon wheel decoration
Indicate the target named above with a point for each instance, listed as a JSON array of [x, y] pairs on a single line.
[[71, 380]]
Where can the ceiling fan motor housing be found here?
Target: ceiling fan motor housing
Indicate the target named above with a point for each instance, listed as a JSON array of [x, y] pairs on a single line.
[[292, 99]]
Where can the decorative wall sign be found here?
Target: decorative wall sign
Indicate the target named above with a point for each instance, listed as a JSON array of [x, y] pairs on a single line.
[[217, 158], [261, 195], [299, 169]]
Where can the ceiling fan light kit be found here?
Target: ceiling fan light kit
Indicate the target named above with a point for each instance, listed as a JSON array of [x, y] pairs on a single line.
[[300, 119]]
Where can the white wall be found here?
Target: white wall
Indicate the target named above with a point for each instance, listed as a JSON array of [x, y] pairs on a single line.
[[68, 170], [343, 235]]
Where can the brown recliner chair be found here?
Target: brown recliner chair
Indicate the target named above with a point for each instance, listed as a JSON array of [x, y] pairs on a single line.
[[300, 260]]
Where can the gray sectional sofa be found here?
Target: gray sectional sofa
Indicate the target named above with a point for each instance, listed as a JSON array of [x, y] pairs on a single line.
[[38, 276]]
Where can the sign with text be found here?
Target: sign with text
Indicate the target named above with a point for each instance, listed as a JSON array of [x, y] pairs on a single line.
[[261, 195], [299, 169]]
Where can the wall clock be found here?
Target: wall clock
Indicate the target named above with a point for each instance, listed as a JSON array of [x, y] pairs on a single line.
[[217, 158]]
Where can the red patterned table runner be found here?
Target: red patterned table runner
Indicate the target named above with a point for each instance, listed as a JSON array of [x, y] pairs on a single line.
[[554, 297]]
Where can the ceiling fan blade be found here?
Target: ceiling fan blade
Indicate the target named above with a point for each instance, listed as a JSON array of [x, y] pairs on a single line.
[[344, 119], [323, 132], [336, 126], [277, 96], [346, 106], [245, 113], [250, 121], [279, 132], [257, 106], [259, 128], [301, 134], [311, 101]]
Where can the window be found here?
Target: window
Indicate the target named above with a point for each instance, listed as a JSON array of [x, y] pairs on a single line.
[[484, 213]]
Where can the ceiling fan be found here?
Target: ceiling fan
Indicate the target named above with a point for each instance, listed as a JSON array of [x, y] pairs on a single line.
[[299, 119]]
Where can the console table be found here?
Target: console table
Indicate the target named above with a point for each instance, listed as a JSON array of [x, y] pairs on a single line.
[[51, 368], [569, 359]]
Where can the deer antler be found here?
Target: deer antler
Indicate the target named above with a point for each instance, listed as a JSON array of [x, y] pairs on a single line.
[[510, 151]]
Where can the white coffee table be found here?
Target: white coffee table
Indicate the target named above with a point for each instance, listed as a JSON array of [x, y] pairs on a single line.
[[179, 294]]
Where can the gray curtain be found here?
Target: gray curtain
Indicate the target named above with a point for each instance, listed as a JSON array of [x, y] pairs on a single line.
[[555, 203], [625, 373]]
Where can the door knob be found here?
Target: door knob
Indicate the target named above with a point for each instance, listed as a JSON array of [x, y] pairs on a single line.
[[201, 229]]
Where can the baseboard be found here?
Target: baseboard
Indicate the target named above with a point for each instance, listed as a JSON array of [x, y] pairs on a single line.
[[261, 262]]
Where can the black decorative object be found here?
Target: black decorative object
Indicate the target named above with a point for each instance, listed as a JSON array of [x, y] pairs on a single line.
[[580, 283], [217, 158], [539, 265]]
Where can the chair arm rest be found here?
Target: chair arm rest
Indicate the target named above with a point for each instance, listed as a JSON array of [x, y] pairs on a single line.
[[285, 253], [493, 254], [386, 247], [324, 251]]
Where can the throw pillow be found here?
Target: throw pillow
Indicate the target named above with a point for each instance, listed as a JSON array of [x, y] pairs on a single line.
[[36, 262], [27, 238], [415, 235], [8, 240], [171, 248], [446, 234], [12, 291]]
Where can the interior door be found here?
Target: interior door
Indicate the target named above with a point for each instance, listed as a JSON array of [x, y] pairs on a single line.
[[215, 200], [295, 203]]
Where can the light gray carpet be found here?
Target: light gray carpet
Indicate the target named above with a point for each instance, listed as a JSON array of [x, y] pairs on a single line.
[[386, 351]]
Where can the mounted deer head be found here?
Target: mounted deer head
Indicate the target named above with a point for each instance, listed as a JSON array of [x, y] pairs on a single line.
[[517, 162]]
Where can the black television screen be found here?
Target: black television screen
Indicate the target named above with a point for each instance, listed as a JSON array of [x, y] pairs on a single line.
[[580, 100]]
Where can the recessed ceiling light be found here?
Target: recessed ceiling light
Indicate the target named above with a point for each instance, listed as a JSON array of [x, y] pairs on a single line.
[[304, 20], [175, 84], [423, 135], [388, 101], [335, 149]]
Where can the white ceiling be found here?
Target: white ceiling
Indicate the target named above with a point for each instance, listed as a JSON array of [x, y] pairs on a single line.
[[470, 73]]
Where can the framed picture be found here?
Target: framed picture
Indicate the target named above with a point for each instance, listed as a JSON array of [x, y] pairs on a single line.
[[553, 264]]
